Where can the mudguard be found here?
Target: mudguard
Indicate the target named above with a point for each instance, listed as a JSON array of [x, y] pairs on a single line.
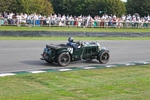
[[101, 51]]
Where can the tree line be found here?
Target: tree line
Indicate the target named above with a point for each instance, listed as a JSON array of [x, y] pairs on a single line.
[[43, 7], [76, 7]]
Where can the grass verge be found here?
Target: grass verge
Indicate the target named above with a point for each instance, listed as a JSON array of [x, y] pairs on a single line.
[[120, 83], [76, 38], [16, 28]]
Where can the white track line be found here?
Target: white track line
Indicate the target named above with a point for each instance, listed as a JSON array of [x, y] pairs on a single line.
[[145, 62], [89, 67], [111, 66], [64, 70], [130, 64], [7, 74], [34, 72]]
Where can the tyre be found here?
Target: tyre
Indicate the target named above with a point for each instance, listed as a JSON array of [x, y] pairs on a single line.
[[63, 59], [104, 57]]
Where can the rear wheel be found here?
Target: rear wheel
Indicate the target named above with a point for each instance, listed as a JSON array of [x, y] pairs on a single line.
[[63, 59], [104, 57]]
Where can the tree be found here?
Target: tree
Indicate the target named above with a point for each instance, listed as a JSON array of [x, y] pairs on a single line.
[[88, 7], [43, 7], [138, 6], [4, 5], [48, 8], [56, 5], [16, 6], [115, 7]]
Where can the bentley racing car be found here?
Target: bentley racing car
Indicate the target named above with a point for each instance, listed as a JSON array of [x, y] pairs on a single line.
[[64, 54]]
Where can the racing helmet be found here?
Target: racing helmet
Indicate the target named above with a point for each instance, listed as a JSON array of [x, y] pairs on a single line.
[[70, 39]]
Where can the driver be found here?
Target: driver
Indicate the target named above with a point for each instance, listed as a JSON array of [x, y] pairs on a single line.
[[72, 44]]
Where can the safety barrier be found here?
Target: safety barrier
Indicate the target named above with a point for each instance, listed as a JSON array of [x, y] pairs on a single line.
[[74, 23]]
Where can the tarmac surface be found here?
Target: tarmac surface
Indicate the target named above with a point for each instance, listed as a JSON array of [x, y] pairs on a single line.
[[25, 55]]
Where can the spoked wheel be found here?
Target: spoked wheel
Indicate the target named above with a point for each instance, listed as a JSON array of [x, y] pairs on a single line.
[[104, 57], [63, 59]]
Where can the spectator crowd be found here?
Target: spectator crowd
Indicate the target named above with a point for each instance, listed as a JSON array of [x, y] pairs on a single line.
[[126, 21]]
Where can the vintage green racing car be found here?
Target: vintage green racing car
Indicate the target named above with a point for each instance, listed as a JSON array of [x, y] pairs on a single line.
[[64, 54]]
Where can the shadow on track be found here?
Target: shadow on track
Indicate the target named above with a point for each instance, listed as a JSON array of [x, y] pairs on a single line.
[[74, 63], [40, 63]]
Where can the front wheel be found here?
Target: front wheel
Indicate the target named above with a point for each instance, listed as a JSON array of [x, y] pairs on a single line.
[[63, 59], [104, 57]]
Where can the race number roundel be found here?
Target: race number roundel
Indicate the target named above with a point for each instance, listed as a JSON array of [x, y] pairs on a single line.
[[70, 50]]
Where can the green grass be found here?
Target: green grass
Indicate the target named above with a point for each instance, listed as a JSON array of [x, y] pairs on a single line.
[[76, 38], [16, 28], [120, 83]]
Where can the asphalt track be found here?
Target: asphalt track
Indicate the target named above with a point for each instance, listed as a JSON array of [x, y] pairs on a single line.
[[24, 55]]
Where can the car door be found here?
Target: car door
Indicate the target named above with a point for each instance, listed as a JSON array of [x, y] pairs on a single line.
[[77, 53], [87, 52]]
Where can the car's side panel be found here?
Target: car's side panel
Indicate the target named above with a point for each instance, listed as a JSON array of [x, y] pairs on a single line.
[[90, 52], [76, 55]]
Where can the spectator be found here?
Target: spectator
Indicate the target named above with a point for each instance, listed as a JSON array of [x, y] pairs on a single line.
[[79, 21]]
